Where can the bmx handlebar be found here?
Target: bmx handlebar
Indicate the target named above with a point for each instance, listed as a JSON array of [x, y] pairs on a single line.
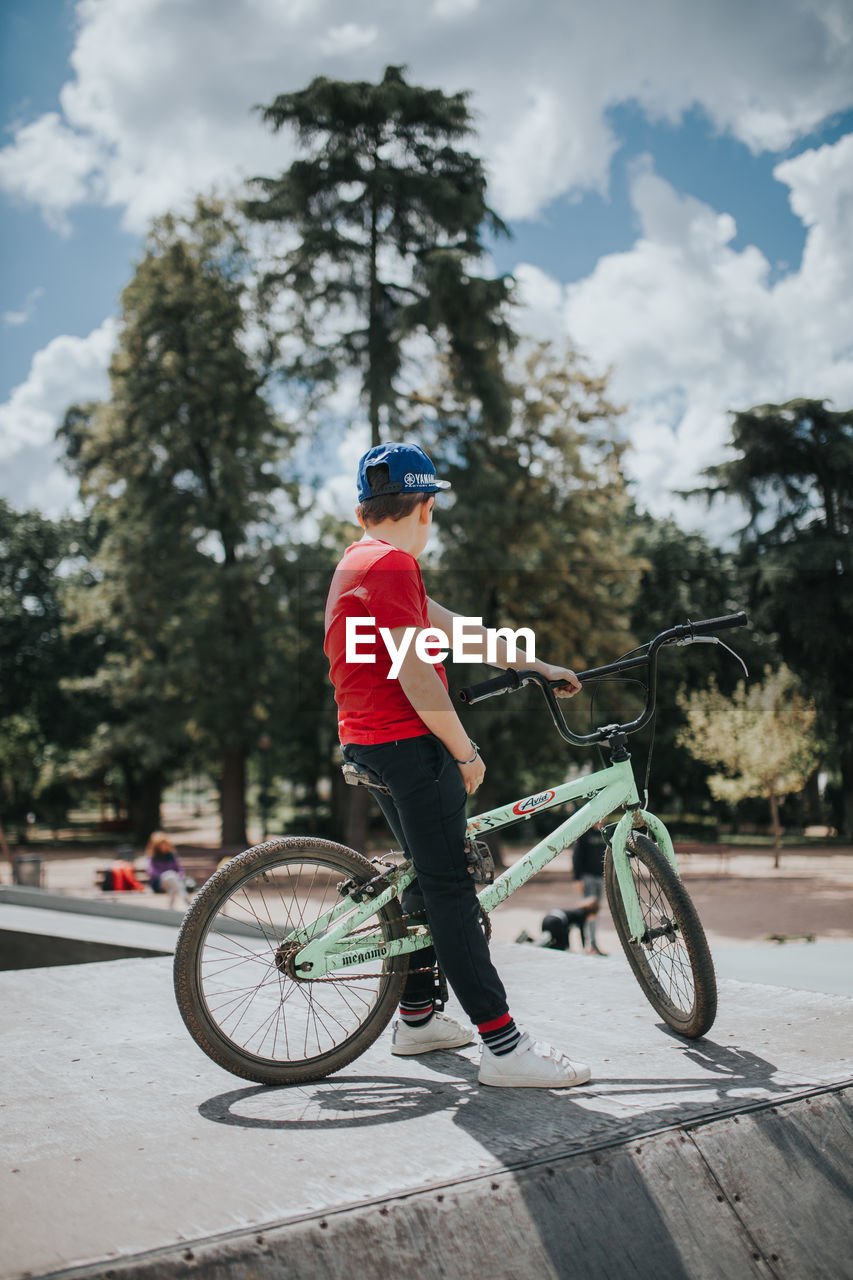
[[513, 679]]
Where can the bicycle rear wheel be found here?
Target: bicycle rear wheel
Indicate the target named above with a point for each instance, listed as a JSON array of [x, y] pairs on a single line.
[[672, 961], [240, 1003]]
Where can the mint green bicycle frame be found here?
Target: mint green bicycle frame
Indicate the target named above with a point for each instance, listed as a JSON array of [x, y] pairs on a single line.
[[328, 946]]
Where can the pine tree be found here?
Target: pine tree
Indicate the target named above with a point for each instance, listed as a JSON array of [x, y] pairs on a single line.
[[539, 532], [39, 722], [388, 215], [179, 467], [793, 469]]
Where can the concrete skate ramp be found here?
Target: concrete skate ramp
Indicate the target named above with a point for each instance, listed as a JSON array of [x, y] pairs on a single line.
[[129, 1154]]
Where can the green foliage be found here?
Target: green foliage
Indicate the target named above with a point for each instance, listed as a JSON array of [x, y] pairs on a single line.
[[762, 739], [794, 472], [685, 577], [179, 468], [387, 214], [39, 723], [539, 533]]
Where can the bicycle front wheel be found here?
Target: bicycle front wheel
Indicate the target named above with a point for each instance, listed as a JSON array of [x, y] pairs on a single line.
[[672, 961], [240, 1002]]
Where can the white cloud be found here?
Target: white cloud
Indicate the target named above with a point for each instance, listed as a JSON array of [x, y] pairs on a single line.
[[694, 328], [452, 9], [67, 371], [160, 101], [338, 495], [14, 319], [159, 106], [347, 38], [49, 165]]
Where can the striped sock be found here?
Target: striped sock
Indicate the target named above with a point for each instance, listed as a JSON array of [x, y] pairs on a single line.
[[501, 1035], [416, 1013]]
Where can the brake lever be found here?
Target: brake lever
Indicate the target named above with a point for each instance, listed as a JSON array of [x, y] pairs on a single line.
[[714, 640]]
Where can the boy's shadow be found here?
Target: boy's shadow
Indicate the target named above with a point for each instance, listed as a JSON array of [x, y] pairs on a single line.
[[570, 1208], [506, 1121]]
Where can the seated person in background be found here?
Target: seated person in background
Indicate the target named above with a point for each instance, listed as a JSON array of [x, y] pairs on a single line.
[[558, 924], [165, 871]]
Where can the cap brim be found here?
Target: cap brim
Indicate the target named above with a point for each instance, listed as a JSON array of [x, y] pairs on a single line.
[[441, 484]]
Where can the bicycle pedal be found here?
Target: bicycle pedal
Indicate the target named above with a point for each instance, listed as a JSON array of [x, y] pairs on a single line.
[[481, 864], [356, 776]]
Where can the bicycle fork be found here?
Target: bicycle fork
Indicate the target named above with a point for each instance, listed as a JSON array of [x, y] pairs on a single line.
[[631, 819]]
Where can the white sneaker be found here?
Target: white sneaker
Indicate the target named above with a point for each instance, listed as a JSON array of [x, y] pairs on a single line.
[[531, 1065], [440, 1032]]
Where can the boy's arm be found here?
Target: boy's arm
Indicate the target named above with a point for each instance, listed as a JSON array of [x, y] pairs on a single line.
[[422, 685], [475, 640]]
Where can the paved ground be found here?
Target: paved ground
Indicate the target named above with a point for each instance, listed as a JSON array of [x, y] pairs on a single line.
[[121, 1138], [742, 901]]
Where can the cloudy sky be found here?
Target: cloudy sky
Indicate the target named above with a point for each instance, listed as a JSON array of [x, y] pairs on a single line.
[[678, 178]]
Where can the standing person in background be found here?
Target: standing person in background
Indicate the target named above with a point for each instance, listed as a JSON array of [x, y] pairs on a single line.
[[165, 873], [588, 867]]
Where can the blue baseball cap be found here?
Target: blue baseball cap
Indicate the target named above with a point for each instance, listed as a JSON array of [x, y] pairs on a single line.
[[409, 471]]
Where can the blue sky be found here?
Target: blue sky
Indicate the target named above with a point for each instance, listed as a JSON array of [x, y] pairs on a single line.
[[650, 188]]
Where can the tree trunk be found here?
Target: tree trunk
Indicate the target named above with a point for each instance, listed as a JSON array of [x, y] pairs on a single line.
[[143, 804], [340, 800], [372, 327], [233, 798], [777, 829], [7, 852], [846, 766], [814, 806], [355, 829]]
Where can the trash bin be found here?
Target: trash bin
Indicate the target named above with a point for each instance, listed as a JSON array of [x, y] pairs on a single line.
[[27, 870]]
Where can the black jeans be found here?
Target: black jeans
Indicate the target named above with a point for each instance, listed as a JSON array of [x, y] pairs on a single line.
[[426, 812]]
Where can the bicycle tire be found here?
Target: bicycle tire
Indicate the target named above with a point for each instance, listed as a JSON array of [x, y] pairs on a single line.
[[229, 958], [674, 968]]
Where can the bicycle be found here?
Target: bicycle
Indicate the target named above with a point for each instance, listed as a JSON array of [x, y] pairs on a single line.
[[273, 962]]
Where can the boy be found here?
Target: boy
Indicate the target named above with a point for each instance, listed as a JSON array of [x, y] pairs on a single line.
[[405, 731]]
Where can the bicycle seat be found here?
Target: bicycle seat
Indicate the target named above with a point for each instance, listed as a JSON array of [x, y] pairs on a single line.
[[357, 776]]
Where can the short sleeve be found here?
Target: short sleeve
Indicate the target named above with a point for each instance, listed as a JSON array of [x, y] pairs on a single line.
[[393, 592]]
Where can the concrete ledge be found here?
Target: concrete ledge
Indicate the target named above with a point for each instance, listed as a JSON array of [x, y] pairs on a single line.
[[71, 937], [127, 1153], [711, 1199], [125, 908]]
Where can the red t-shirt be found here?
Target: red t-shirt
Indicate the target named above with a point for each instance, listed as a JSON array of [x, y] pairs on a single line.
[[379, 581]]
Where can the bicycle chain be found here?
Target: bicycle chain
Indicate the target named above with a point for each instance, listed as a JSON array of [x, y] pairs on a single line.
[[337, 976], [365, 890]]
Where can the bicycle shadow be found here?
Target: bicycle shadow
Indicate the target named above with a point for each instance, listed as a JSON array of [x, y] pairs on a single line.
[[563, 1209], [343, 1101]]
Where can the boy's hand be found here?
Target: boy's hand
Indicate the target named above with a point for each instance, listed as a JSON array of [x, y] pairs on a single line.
[[560, 673], [472, 774]]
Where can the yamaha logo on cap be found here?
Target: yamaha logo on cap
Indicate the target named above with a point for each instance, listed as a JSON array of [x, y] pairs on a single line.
[[409, 471]]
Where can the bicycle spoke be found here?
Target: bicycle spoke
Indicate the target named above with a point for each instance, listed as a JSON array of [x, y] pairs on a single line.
[[671, 960], [264, 1011]]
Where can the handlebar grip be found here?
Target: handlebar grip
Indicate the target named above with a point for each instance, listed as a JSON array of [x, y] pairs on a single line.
[[490, 688], [709, 625]]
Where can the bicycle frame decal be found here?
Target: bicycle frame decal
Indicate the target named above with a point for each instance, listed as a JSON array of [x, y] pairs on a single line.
[[523, 807], [603, 791]]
